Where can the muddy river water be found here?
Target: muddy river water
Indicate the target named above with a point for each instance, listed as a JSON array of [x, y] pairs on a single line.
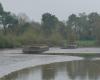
[[53, 67], [72, 70]]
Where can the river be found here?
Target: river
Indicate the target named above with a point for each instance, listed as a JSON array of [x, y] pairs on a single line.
[[48, 67], [72, 70]]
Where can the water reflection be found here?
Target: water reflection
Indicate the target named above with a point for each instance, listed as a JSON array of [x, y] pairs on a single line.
[[84, 70], [26, 74], [48, 72], [74, 70]]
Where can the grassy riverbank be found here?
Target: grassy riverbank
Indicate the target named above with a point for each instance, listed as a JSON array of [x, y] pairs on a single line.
[[10, 41], [88, 43]]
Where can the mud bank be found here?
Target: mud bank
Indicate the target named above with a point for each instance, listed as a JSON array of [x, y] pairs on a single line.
[[13, 62]]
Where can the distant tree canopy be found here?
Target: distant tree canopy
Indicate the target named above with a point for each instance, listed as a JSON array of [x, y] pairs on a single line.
[[18, 30], [1, 9], [49, 23], [7, 19], [84, 25]]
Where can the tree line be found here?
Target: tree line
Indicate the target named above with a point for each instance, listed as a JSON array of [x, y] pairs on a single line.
[[18, 30]]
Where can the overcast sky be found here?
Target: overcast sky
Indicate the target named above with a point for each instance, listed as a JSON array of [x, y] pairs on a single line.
[[61, 8]]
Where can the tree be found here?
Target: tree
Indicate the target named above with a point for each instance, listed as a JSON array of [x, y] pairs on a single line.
[[83, 27], [7, 19], [72, 28], [1, 9], [61, 29], [49, 23], [72, 20], [23, 18], [94, 20]]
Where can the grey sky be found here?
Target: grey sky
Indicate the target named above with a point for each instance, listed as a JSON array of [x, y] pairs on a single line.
[[61, 8]]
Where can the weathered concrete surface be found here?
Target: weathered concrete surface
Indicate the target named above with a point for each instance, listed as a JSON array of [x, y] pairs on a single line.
[[10, 61]]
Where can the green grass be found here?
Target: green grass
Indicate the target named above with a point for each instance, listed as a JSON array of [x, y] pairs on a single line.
[[86, 43]]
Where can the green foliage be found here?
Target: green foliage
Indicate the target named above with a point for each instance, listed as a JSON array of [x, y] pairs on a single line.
[[88, 43], [1, 9], [8, 41], [49, 23], [56, 39], [82, 28], [7, 19]]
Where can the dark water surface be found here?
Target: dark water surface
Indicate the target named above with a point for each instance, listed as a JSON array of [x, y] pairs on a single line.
[[73, 70]]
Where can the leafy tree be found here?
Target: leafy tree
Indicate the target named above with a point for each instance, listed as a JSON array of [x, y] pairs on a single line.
[[1, 9], [56, 39], [83, 26], [94, 19], [49, 23], [61, 29], [7, 19], [72, 28]]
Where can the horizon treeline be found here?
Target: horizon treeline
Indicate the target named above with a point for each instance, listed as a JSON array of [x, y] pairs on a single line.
[[18, 30]]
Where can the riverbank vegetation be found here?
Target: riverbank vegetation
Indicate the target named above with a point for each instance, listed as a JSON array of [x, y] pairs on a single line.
[[18, 30]]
